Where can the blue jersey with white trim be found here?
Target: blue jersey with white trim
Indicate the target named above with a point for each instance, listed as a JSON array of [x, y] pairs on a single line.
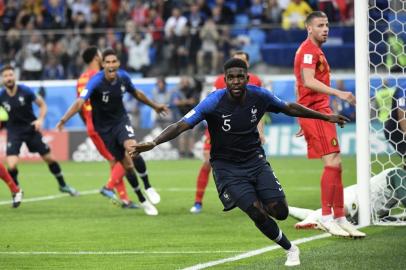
[[106, 99], [19, 108], [232, 125]]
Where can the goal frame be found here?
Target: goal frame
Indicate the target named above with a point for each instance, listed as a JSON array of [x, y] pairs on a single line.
[[362, 110]]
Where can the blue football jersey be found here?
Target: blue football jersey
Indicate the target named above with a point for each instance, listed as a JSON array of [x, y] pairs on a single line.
[[19, 108], [106, 99], [233, 126]]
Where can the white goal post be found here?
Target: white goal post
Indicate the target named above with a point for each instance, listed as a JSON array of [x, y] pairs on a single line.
[[362, 109], [380, 64]]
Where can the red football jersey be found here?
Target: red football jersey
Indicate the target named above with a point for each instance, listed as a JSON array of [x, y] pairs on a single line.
[[309, 55], [81, 84], [219, 83]]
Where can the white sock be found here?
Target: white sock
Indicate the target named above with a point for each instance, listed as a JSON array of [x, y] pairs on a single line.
[[341, 220], [327, 218]]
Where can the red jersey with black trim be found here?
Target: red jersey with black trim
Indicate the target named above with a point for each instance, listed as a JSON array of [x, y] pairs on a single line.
[[81, 84], [219, 83], [309, 55]]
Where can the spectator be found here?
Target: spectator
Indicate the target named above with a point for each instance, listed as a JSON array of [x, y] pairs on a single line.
[[10, 15], [161, 94], [195, 21], [273, 11], [185, 98], [55, 14], [209, 36], [175, 34], [156, 28], [256, 12], [328, 7], [138, 52], [139, 13], [53, 70], [295, 14], [383, 99], [12, 45], [32, 54]]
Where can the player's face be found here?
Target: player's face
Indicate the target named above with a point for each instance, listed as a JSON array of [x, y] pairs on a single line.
[[110, 65], [8, 78], [318, 29], [236, 81]]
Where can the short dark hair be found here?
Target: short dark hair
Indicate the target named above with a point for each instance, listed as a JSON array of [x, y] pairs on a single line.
[[247, 56], [234, 63], [315, 14], [89, 54], [6, 67], [107, 52]]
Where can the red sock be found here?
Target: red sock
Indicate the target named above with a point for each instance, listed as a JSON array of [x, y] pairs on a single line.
[[116, 173], [121, 190], [327, 186], [201, 183], [338, 200], [8, 179]]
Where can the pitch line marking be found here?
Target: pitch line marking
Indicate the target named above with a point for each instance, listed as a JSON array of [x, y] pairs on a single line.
[[253, 253], [95, 191], [124, 252]]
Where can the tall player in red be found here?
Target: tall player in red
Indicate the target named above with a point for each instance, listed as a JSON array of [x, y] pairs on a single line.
[[92, 57], [312, 74], [203, 177]]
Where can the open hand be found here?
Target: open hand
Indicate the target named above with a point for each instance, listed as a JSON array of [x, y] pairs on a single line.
[[60, 125], [162, 109], [141, 147], [37, 124], [338, 119], [347, 96]]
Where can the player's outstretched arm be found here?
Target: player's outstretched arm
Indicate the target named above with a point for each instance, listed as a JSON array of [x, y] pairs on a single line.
[[159, 108], [170, 132], [74, 108], [297, 110]]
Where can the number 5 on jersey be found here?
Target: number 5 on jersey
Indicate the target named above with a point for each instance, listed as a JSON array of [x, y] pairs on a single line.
[[226, 125]]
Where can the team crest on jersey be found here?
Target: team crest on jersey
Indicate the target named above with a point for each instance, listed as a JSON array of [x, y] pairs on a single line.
[[334, 142], [21, 100], [122, 87], [254, 114]]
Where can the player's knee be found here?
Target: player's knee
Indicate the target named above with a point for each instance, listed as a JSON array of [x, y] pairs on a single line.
[[258, 216], [278, 209]]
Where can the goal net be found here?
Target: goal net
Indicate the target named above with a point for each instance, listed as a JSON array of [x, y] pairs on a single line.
[[387, 62]]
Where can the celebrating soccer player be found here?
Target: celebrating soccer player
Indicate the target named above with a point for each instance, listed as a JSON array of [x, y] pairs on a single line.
[[92, 57], [313, 85], [243, 177], [24, 126], [204, 172], [105, 91]]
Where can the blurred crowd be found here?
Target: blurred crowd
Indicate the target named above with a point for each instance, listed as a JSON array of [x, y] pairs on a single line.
[[43, 39]]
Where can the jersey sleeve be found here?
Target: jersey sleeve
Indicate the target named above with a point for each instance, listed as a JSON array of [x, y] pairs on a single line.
[[90, 87], [129, 86], [30, 93], [309, 58], [273, 103], [198, 113]]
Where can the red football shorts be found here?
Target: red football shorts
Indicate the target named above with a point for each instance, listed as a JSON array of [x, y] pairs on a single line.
[[94, 136], [207, 144], [321, 136]]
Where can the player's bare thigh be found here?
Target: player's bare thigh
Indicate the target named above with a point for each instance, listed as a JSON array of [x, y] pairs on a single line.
[[332, 160], [127, 160], [12, 161]]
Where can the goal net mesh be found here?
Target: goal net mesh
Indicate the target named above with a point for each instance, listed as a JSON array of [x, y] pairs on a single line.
[[387, 59]]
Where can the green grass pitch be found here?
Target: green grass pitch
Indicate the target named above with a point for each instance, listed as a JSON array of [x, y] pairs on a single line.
[[88, 232]]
